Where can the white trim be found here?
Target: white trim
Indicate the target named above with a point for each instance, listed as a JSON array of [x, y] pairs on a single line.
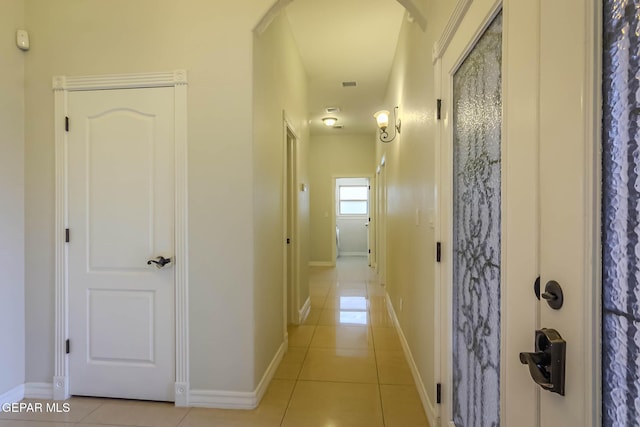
[[14, 395], [62, 85], [360, 254], [290, 310], [304, 311], [39, 391], [237, 399], [120, 81], [222, 399], [429, 408], [321, 264], [450, 29]]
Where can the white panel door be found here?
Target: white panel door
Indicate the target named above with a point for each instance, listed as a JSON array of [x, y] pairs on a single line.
[[121, 216], [545, 215]]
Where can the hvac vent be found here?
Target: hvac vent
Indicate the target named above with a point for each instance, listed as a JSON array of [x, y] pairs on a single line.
[[331, 110], [338, 127], [349, 84]]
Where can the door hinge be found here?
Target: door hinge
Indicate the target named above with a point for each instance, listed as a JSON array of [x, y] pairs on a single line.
[[67, 235], [438, 393], [369, 250], [288, 241], [439, 109], [66, 123], [67, 347], [369, 187], [438, 251]]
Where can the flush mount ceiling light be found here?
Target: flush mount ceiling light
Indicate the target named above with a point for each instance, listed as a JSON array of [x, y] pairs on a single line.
[[382, 118], [329, 121]]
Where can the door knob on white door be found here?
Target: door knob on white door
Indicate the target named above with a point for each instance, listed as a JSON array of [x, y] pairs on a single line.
[[160, 261]]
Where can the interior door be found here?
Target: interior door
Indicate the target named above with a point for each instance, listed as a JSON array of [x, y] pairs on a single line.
[[291, 217], [516, 203], [121, 221]]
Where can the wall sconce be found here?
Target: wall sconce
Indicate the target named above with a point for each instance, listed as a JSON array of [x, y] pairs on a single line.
[[382, 117], [329, 121]]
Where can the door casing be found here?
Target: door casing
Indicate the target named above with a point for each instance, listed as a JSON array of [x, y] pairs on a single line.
[[291, 252], [62, 85]]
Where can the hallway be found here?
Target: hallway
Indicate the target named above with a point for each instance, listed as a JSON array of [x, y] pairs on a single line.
[[344, 368]]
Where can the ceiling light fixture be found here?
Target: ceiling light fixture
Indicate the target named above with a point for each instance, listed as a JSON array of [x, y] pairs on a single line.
[[382, 118], [329, 121]]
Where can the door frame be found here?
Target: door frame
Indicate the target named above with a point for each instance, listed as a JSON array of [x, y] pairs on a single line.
[[381, 220], [62, 85], [290, 310], [334, 215]]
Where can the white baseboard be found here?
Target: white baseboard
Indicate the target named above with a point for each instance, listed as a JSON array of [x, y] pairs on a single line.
[[353, 254], [321, 264], [38, 391], [237, 399], [222, 399], [429, 408], [14, 395], [304, 311]]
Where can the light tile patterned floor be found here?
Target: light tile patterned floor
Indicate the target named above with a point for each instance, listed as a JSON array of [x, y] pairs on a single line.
[[344, 368]]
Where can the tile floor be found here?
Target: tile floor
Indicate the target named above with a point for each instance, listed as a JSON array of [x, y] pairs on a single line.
[[344, 368]]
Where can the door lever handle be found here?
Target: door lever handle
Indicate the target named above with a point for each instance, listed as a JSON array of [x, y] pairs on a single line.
[[159, 261], [537, 362], [547, 364]]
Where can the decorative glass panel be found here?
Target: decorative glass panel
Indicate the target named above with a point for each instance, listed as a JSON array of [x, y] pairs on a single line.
[[477, 121], [621, 214]]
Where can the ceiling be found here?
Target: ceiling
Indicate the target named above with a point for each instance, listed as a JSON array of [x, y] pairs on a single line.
[[346, 40]]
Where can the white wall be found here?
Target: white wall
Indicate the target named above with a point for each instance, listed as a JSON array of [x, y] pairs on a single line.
[[330, 157], [212, 39], [410, 169], [280, 83], [12, 347]]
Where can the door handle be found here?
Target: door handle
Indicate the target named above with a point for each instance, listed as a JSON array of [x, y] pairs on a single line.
[[159, 262], [547, 363], [537, 363]]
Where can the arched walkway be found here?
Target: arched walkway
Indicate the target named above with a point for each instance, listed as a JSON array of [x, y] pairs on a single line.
[[409, 5]]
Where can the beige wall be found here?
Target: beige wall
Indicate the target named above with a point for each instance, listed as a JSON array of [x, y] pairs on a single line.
[[280, 84], [12, 347], [330, 157], [212, 39], [410, 168]]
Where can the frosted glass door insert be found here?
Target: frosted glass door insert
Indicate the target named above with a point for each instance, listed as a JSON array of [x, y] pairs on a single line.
[[621, 214], [477, 122]]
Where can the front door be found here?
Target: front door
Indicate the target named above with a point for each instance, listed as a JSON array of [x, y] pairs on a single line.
[[517, 204], [121, 221]]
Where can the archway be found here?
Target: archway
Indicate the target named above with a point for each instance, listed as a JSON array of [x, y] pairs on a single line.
[[409, 5]]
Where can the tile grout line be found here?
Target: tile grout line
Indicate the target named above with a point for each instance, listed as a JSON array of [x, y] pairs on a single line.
[[297, 379], [184, 416], [375, 356]]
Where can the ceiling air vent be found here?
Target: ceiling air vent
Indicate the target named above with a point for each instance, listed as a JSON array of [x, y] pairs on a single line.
[[349, 84], [331, 110], [338, 127]]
